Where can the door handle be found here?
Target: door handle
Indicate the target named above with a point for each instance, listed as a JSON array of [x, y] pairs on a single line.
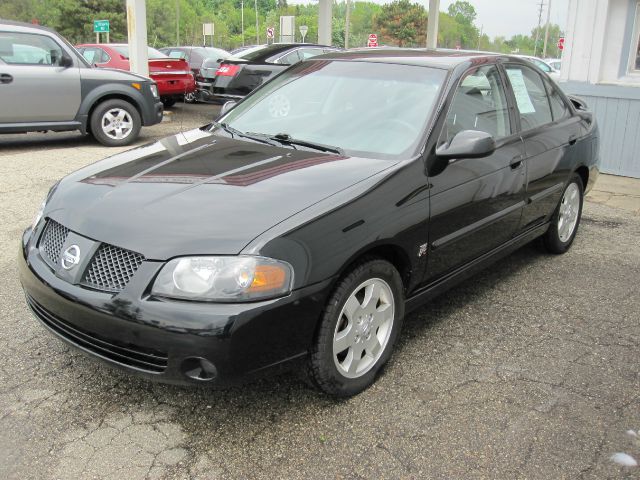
[[516, 162], [573, 139], [5, 78]]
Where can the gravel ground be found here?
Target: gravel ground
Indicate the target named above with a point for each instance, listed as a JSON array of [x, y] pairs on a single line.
[[529, 370]]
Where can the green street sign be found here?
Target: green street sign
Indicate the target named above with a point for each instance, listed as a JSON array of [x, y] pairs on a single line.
[[101, 26]]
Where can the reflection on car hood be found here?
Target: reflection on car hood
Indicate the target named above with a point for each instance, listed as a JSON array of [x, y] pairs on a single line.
[[199, 193]]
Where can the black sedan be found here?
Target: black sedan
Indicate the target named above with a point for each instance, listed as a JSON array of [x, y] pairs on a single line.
[[299, 228], [198, 58], [238, 76]]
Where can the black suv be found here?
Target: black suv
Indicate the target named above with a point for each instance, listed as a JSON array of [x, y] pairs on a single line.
[[46, 85]]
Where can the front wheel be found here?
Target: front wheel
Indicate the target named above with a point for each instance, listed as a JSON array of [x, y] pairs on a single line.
[[358, 329], [566, 218], [115, 123], [168, 102]]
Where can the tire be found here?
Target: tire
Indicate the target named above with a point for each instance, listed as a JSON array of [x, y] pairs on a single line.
[[104, 116], [348, 320], [168, 102], [566, 218], [191, 97]]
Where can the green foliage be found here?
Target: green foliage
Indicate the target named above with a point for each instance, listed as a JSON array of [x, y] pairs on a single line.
[[400, 23]]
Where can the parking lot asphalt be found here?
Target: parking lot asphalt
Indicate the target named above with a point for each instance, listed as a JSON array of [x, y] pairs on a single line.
[[528, 370]]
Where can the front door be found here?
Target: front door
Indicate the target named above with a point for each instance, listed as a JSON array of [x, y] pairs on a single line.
[[33, 86], [476, 203], [550, 132]]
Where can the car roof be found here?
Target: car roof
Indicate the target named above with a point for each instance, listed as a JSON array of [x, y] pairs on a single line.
[[275, 48], [439, 58], [27, 25]]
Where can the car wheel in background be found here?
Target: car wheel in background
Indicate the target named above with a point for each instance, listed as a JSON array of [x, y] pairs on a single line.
[[190, 97], [566, 218], [358, 329], [168, 102], [115, 123]]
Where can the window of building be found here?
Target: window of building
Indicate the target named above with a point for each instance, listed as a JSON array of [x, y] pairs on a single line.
[[634, 60]]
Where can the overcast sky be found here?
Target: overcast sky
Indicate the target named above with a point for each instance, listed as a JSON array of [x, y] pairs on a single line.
[[502, 17]]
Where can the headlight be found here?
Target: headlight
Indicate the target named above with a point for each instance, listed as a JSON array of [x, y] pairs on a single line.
[[154, 89], [224, 279], [38, 216]]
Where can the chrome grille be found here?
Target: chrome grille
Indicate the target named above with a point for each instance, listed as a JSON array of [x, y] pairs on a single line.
[[111, 268], [52, 241]]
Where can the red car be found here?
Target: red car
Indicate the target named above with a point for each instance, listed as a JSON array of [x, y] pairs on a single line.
[[173, 75]]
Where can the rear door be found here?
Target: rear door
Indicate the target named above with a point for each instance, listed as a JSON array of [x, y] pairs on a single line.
[[33, 85], [549, 131], [476, 203]]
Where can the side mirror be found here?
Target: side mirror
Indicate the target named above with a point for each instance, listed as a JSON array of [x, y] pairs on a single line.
[[66, 61], [467, 144], [227, 106]]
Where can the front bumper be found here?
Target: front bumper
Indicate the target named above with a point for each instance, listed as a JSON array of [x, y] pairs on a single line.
[[168, 340]]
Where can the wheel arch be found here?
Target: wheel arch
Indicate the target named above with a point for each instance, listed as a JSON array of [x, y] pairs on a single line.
[[392, 253], [108, 92]]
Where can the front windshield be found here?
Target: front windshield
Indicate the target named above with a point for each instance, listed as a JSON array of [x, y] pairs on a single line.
[[152, 53], [367, 109]]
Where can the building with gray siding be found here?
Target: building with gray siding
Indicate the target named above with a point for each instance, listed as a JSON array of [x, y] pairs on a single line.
[[601, 64]]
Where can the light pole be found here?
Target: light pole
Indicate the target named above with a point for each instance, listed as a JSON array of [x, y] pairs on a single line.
[[257, 31], [242, 20]]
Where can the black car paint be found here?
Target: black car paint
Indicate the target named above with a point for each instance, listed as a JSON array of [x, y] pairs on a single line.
[[437, 222]]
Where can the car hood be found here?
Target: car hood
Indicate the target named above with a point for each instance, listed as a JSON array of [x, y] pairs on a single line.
[[199, 193]]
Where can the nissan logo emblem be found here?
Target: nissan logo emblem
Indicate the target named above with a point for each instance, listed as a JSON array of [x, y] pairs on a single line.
[[70, 257]]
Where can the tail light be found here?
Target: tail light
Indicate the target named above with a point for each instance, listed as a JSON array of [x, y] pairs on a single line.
[[226, 70]]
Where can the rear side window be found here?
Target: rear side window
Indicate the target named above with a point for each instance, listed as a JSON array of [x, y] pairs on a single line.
[[531, 96], [29, 49], [290, 58], [559, 109], [480, 104], [176, 54], [309, 52]]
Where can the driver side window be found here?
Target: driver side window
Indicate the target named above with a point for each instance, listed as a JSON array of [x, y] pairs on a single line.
[[29, 49], [479, 103]]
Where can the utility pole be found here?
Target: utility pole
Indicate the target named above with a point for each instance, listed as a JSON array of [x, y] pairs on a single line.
[[432, 24], [242, 20], [177, 23], [347, 20], [535, 46], [546, 31], [480, 37], [257, 31]]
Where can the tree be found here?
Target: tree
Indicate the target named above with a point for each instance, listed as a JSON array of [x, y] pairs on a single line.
[[463, 12], [402, 23]]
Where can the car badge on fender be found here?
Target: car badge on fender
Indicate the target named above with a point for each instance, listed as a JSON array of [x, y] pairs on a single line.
[[70, 257]]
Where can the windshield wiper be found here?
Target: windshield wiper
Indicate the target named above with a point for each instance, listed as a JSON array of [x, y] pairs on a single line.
[[289, 140], [235, 132]]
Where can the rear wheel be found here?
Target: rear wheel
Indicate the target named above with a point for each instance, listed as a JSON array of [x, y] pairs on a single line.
[[115, 123], [358, 329], [190, 97], [566, 218]]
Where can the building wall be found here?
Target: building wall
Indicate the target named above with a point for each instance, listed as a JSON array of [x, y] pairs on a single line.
[[599, 39]]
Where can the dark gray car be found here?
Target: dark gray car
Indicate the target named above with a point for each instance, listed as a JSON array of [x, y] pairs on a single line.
[[46, 85]]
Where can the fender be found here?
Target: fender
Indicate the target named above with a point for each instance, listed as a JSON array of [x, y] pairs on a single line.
[[93, 96]]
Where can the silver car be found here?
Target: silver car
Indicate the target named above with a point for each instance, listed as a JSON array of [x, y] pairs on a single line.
[[46, 85]]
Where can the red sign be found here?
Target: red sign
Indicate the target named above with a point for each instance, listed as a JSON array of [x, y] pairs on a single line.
[[373, 40], [561, 43]]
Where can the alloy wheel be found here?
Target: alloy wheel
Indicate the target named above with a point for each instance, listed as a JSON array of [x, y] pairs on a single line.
[[363, 328], [569, 210], [117, 123]]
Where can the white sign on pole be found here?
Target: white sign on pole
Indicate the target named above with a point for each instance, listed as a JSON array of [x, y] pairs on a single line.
[[303, 31], [270, 32], [207, 29], [287, 29]]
